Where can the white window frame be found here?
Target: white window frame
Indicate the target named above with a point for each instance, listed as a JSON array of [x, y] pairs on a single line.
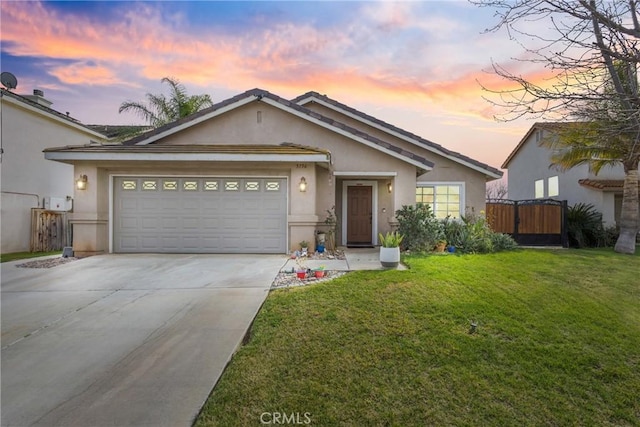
[[555, 187], [540, 183], [461, 184]]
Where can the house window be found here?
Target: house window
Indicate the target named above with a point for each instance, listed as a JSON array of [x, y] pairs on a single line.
[[552, 186], [444, 199], [539, 189], [538, 135]]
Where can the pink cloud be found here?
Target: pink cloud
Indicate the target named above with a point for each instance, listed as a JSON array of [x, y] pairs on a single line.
[[286, 58]]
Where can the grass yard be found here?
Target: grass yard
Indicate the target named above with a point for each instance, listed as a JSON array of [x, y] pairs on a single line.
[[557, 343], [14, 256]]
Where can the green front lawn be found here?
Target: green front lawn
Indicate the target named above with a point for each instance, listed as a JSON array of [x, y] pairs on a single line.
[[14, 256], [557, 343]]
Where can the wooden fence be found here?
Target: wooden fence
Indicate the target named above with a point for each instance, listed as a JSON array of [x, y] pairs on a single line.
[[530, 222], [49, 230]]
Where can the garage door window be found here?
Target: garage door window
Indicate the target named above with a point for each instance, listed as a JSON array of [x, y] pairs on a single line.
[[170, 185], [273, 186], [252, 186], [149, 185], [129, 185], [231, 186], [190, 185], [211, 185]]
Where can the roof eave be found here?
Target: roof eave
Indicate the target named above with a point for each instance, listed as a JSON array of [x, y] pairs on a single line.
[[76, 156], [306, 98], [426, 165], [66, 122]]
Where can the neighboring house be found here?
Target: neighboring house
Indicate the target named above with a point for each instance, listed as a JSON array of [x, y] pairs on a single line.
[[256, 173], [29, 126], [531, 177]]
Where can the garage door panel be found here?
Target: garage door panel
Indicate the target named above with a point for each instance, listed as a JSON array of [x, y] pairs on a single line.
[[192, 223], [209, 223], [170, 223], [200, 215], [149, 241], [129, 223], [129, 204], [149, 203]]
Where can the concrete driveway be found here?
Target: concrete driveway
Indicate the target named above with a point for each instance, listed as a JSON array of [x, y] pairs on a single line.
[[124, 340]]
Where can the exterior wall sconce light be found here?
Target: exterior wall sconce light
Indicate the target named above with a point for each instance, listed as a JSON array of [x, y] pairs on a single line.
[[303, 185], [389, 187], [81, 182]]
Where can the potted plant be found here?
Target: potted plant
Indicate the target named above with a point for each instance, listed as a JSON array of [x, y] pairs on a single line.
[[319, 272], [304, 247], [390, 249], [441, 245], [320, 239], [301, 271]]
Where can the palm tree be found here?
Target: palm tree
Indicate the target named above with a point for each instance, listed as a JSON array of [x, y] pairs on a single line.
[[161, 110], [599, 144], [608, 136]]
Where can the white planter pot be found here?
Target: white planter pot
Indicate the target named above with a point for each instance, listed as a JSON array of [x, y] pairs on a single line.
[[389, 257]]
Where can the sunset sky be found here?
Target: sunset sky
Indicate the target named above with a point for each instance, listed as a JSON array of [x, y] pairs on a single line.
[[414, 64]]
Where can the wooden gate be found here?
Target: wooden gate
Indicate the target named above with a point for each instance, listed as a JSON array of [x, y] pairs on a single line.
[[530, 222], [49, 230]]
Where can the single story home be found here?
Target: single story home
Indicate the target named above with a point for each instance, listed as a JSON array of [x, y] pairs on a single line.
[[258, 173], [532, 177]]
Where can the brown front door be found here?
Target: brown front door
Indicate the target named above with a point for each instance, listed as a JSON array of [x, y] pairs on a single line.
[[359, 215]]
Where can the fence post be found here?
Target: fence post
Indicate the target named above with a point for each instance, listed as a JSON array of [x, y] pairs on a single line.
[[516, 221], [564, 232]]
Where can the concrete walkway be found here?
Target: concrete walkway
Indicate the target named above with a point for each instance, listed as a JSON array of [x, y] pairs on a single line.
[[355, 259]]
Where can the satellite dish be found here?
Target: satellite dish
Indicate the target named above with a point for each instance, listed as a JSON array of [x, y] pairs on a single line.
[[8, 80]]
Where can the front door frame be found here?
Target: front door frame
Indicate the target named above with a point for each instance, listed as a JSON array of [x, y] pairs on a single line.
[[374, 207]]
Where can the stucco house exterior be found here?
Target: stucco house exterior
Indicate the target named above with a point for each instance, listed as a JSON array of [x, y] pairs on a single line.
[[257, 173], [531, 177], [29, 125]]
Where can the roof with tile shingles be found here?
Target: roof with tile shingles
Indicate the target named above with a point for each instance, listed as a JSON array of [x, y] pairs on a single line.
[[411, 137], [260, 94]]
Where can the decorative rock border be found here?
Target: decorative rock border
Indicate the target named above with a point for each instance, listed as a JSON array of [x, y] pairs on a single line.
[[287, 280], [46, 263]]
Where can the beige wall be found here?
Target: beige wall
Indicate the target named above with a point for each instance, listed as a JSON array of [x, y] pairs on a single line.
[[91, 218], [445, 170], [25, 134], [241, 126], [260, 123]]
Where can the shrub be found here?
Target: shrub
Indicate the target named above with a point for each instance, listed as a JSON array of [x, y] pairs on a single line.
[[419, 226], [608, 236], [472, 234], [585, 229], [503, 242]]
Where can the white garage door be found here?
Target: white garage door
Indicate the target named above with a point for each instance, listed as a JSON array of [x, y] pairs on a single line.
[[200, 215]]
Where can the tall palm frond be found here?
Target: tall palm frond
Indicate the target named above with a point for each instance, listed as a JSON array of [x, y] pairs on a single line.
[[160, 110]]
